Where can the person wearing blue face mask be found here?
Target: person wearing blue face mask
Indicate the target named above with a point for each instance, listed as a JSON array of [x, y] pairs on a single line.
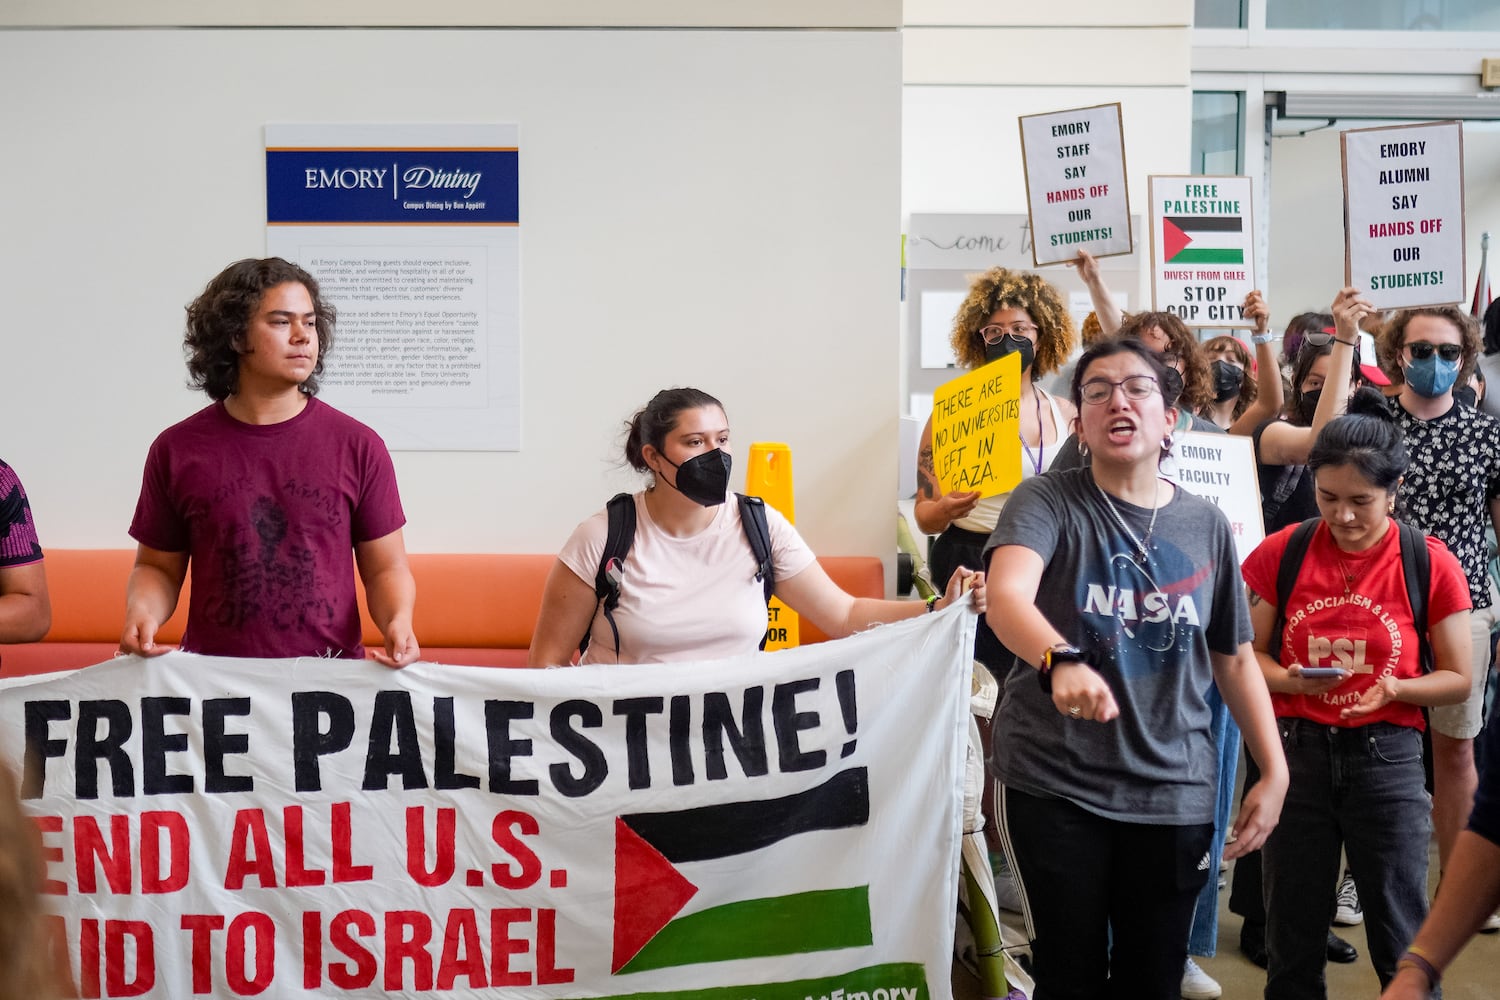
[[1452, 485]]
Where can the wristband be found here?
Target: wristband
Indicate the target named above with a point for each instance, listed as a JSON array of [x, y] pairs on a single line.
[[1412, 960], [1061, 653], [1346, 343], [1262, 338], [932, 603]]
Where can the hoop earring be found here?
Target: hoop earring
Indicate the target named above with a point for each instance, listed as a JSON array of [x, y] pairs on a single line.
[[1083, 449], [1166, 444]]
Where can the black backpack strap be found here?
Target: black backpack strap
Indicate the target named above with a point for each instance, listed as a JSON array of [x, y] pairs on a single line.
[[1286, 578], [612, 563], [1416, 568], [758, 534]]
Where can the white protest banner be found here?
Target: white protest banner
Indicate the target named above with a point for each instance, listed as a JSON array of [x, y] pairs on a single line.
[[1075, 183], [1404, 214], [1221, 468], [1202, 248], [777, 825]]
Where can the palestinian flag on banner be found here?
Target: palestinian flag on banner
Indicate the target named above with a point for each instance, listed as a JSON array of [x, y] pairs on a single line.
[[1202, 239], [651, 889]]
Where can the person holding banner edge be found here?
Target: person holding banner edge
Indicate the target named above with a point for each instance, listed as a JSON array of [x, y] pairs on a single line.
[[1004, 312], [1123, 592], [688, 587], [265, 492]]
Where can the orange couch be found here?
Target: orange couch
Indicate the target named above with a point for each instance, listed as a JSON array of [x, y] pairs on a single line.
[[472, 608]]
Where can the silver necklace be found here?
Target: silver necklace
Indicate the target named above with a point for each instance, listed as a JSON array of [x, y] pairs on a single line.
[[1141, 545]]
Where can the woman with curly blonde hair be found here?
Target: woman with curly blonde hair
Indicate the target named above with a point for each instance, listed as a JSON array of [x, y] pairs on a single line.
[[1005, 312]]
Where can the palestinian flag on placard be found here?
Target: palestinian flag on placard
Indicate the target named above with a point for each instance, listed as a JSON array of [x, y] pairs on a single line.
[[651, 887], [1202, 239]]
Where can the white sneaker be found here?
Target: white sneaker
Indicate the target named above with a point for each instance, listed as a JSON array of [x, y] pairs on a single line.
[[1491, 924], [1197, 984], [1349, 912]]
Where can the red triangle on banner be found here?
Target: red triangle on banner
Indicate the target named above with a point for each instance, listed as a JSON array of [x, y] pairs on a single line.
[[1173, 240], [649, 892]]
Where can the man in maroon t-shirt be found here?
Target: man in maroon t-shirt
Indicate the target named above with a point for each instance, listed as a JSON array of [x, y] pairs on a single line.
[[265, 493]]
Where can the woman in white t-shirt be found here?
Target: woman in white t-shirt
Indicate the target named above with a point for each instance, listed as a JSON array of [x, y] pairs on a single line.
[[689, 588], [1005, 312]]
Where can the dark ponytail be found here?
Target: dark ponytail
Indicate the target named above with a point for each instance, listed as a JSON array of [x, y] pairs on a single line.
[[1367, 437], [654, 421]]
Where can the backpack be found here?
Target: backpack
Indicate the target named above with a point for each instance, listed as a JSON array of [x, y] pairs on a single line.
[[1416, 568], [622, 535]]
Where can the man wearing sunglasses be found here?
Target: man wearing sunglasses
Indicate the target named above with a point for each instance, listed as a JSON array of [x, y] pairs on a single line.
[[1452, 485]]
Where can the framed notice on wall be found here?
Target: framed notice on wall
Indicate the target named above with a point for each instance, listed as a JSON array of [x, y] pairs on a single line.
[[413, 233], [1075, 183], [1404, 214]]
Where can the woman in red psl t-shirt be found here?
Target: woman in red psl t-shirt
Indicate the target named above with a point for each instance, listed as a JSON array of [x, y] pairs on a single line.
[[1353, 740]]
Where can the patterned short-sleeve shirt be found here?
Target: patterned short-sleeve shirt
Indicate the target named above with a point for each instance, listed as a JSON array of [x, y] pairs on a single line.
[[18, 541], [1454, 474]]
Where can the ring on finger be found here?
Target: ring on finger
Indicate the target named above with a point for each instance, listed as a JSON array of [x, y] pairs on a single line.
[[1075, 711]]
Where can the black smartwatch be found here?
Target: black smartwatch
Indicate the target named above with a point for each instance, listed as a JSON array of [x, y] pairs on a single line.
[[1063, 652]]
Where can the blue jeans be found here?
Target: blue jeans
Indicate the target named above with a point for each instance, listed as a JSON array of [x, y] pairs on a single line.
[[1359, 788], [1204, 937]]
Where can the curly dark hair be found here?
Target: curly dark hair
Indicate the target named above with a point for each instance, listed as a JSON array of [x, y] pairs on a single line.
[[999, 288], [218, 320], [1392, 338], [1197, 384]]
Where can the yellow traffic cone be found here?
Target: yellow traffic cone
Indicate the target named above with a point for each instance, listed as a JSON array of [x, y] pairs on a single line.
[[769, 476]]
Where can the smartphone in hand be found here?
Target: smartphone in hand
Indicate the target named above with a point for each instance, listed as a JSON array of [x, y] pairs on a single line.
[[1321, 673]]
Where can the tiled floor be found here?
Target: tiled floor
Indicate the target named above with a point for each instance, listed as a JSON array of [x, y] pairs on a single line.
[[1474, 975]]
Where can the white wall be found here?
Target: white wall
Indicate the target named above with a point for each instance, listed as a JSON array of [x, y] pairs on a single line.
[[972, 68], [1307, 213], [712, 207]]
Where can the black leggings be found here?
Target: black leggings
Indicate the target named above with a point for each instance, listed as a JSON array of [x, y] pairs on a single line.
[[1111, 901]]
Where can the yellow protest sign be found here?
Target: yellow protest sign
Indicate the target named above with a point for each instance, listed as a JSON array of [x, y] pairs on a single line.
[[976, 429]]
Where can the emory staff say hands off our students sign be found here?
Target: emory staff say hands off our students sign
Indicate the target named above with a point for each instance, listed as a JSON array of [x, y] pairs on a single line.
[[1075, 183]]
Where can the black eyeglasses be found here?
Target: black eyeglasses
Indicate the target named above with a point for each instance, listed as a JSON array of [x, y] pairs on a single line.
[[1098, 390], [994, 334], [1421, 350]]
